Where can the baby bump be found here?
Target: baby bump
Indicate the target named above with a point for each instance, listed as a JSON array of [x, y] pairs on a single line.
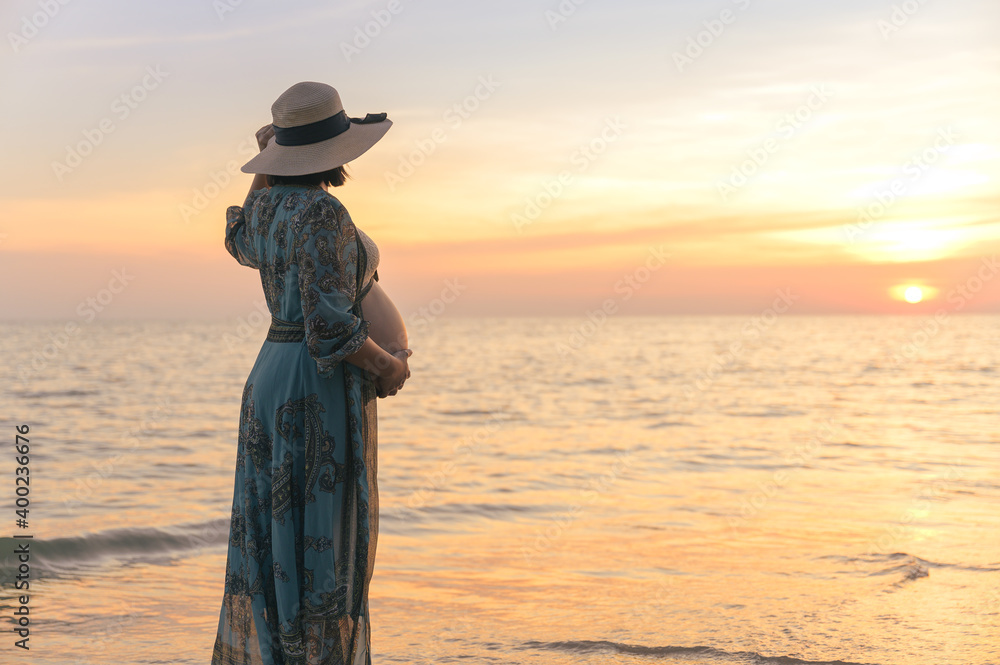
[[386, 326]]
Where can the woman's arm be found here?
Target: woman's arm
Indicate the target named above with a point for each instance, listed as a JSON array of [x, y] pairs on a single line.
[[324, 249], [264, 135], [240, 244], [391, 368]]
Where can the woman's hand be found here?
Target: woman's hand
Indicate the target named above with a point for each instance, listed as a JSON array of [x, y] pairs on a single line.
[[264, 135], [392, 382]]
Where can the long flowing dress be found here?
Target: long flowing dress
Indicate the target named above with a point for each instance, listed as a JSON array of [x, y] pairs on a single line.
[[304, 520]]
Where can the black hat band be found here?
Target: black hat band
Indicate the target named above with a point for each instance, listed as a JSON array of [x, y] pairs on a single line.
[[322, 130]]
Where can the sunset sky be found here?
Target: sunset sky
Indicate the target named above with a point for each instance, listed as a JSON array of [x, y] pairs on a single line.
[[674, 157]]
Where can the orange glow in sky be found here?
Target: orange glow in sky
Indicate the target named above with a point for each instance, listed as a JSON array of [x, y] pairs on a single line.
[[819, 158]]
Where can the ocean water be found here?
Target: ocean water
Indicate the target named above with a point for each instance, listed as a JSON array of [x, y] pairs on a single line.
[[644, 490]]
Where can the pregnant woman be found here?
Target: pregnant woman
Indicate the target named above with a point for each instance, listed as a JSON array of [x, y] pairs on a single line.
[[304, 520]]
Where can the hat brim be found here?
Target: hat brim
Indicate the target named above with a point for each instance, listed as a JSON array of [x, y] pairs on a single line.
[[318, 157]]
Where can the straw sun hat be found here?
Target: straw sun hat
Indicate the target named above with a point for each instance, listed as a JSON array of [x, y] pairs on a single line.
[[313, 133]]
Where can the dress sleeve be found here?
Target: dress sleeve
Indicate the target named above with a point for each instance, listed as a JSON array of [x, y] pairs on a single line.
[[327, 257], [239, 241]]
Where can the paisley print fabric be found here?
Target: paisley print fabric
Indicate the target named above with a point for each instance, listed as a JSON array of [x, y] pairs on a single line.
[[304, 521]]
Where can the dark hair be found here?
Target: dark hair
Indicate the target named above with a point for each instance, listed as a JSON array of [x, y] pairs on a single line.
[[334, 178]]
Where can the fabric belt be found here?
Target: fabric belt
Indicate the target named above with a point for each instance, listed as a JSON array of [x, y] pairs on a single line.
[[286, 331]]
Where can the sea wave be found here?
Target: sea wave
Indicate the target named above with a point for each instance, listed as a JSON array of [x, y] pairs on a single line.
[[61, 556], [711, 654]]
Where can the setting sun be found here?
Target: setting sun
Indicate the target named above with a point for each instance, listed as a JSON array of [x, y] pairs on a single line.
[[913, 292]]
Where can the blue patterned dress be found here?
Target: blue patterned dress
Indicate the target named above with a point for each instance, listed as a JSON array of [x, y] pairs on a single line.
[[305, 502]]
